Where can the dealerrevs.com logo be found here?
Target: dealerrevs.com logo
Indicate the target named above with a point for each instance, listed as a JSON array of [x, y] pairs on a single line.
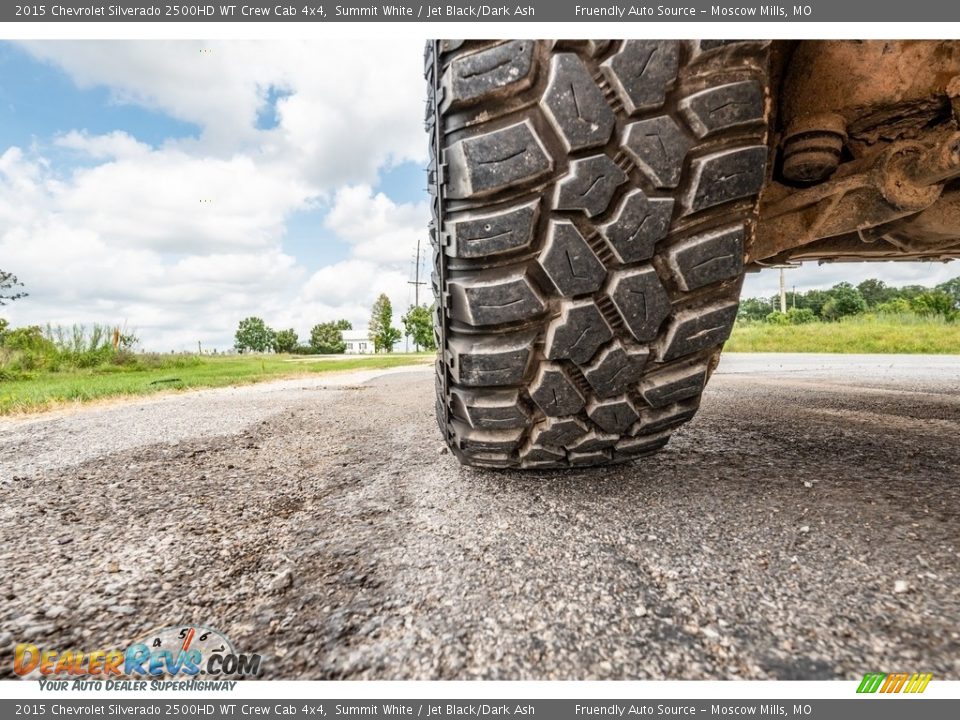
[[169, 658]]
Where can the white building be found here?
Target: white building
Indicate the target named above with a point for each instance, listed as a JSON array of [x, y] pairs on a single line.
[[357, 342]]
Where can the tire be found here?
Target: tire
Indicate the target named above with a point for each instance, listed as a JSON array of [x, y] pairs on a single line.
[[591, 203]]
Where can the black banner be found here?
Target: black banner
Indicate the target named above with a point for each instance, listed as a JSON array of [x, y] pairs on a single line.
[[466, 11]]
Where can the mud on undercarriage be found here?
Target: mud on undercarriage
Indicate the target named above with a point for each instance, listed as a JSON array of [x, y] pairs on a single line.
[[865, 151]]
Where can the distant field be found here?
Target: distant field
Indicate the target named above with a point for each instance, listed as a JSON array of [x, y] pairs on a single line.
[[47, 390], [860, 334]]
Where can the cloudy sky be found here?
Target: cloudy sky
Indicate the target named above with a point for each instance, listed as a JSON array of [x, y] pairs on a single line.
[[179, 186]]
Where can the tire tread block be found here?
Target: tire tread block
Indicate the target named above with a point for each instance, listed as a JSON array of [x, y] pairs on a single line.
[[489, 361], [589, 185], [642, 72], [485, 235], [723, 107], [592, 441], [554, 393], [497, 160], [577, 333], [655, 420], [658, 146], [482, 301], [640, 223], [631, 447], [558, 432], [695, 329], [616, 415], [726, 175], [569, 262], [673, 384], [707, 258], [641, 301], [590, 458], [575, 105], [498, 410], [503, 68], [487, 441], [615, 370]]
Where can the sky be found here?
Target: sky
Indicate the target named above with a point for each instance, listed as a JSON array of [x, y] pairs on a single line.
[[175, 187]]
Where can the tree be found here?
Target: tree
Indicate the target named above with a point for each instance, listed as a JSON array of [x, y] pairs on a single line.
[[814, 300], [753, 309], [418, 324], [875, 292], [844, 300], [911, 291], [952, 288], [253, 335], [8, 282], [382, 332], [285, 341], [932, 303], [327, 338]]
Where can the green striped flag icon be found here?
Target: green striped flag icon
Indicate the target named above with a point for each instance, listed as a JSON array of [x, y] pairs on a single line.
[[871, 682]]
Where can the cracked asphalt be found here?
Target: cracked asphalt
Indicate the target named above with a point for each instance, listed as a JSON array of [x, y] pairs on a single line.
[[805, 525]]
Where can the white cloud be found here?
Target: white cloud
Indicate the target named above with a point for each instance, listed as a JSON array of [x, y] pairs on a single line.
[[172, 201], [379, 229], [116, 144], [348, 107]]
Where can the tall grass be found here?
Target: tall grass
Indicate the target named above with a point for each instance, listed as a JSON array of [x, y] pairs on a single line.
[[899, 333], [56, 348]]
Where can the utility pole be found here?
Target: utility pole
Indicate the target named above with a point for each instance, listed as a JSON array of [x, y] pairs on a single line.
[[416, 290], [416, 282], [783, 287], [783, 291]]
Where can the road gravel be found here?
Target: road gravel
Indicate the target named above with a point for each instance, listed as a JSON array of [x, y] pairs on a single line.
[[805, 525]]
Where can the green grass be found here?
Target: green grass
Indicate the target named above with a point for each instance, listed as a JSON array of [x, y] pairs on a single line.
[[859, 334], [43, 390]]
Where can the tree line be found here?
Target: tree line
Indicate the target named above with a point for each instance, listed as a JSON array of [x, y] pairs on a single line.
[[845, 299], [326, 338]]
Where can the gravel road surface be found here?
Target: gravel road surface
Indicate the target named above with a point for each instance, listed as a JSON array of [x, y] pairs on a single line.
[[805, 525]]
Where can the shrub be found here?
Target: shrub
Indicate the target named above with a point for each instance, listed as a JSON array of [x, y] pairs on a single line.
[[897, 306], [777, 318], [800, 316], [327, 338], [932, 303], [285, 341], [28, 339]]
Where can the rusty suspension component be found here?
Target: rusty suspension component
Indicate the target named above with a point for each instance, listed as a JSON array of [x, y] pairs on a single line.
[[904, 179]]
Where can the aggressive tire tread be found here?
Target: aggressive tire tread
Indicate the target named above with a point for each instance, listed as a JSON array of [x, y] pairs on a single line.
[[591, 202]]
